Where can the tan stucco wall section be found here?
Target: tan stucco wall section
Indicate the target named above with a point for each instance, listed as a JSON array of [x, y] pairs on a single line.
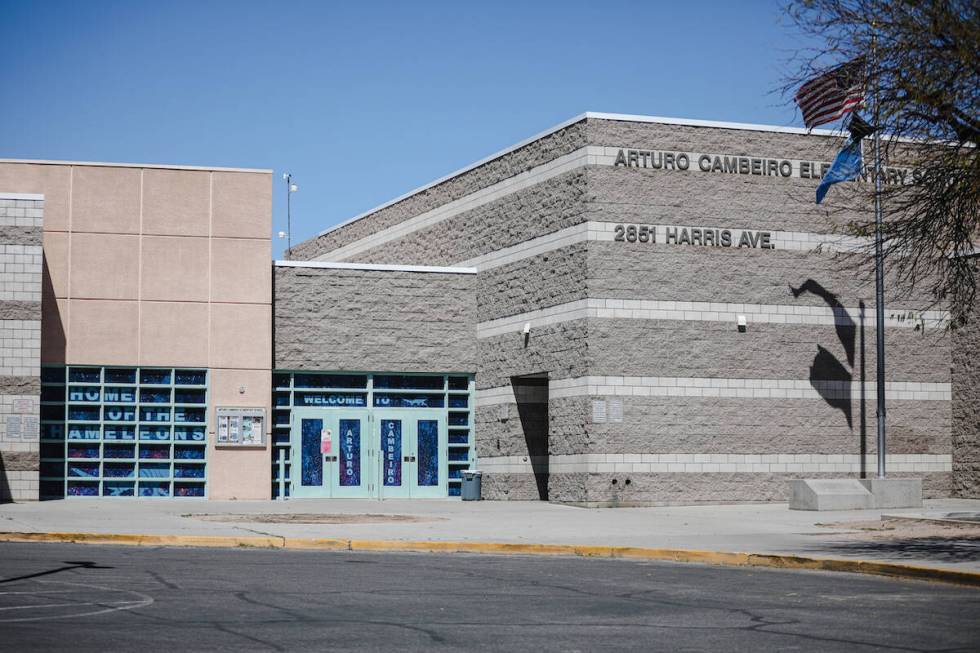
[[162, 266]]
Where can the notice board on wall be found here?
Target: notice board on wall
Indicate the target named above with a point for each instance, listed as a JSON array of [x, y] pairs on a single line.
[[239, 427]]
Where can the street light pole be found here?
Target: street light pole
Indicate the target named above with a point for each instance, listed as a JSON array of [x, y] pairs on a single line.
[[290, 189]]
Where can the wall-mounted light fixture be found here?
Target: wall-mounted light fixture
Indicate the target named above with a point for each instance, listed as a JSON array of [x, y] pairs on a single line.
[[741, 322]]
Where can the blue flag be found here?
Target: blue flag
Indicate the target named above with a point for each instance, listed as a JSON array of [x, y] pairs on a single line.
[[846, 166]]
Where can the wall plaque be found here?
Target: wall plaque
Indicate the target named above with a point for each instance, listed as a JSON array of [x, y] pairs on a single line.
[[240, 427]]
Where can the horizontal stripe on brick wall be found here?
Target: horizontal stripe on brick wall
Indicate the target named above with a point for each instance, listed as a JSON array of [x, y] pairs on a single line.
[[663, 386], [708, 463], [18, 462], [19, 234], [20, 385], [641, 309], [20, 310]]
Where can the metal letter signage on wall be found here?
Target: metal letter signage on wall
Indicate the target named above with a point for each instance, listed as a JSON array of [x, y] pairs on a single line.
[[240, 427], [350, 452], [391, 445]]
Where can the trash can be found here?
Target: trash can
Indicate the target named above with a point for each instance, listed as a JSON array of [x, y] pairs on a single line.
[[472, 483]]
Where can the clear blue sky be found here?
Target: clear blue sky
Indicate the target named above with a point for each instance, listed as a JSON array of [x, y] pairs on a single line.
[[363, 101]]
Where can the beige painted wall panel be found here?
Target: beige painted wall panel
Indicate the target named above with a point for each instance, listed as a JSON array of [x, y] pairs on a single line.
[[174, 333], [103, 332], [106, 200], [175, 269], [242, 205], [104, 266], [54, 327], [241, 336], [241, 270], [55, 271], [176, 202], [50, 180], [239, 473]]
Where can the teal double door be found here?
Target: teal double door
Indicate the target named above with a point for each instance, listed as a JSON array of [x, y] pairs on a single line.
[[363, 453]]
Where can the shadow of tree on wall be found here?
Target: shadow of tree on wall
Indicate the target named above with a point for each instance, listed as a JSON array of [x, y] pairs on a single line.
[[830, 377]]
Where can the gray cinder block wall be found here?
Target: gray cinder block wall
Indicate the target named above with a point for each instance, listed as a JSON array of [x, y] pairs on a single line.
[[21, 217], [966, 403], [654, 394], [373, 320]]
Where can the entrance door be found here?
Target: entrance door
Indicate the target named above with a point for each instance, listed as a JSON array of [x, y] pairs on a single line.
[[368, 454], [413, 447], [331, 454]]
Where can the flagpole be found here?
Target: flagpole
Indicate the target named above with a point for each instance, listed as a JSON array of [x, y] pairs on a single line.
[[879, 264]]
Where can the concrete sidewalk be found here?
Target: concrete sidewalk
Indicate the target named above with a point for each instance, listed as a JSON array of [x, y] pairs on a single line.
[[755, 528]]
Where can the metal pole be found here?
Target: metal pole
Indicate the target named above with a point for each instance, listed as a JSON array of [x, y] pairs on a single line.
[[289, 215], [879, 271]]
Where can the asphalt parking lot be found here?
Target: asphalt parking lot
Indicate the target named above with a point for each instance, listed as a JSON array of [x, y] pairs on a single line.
[[56, 597]]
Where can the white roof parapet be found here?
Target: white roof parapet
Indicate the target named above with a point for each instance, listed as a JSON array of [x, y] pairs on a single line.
[[157, 166], [21, 196], [377, 267], [688, 122]]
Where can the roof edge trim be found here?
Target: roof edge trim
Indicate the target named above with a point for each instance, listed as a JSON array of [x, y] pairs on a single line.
[[375, 267], [155, 166], [21, 196]]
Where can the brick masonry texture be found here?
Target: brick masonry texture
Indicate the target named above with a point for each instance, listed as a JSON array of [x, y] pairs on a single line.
[[757, 426], [21, 213], [562, 349], [328, 319], [18, 235], [20, 310], [966, 406], [676, 489], [20, 347], [525, 158], [699, 274], [542, 209], [497, 436], [728, 201], [764, 351], [20, 385], [669, 489], [540, 281]]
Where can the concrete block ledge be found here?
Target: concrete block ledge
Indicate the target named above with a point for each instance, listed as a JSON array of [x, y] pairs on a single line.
[[721, 558]]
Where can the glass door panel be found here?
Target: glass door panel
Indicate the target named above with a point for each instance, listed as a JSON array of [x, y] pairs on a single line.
[[354, 474], [308, 462], [429, 455], [392, 446]]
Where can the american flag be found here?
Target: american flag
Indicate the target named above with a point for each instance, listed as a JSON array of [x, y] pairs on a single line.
[[829, 96]]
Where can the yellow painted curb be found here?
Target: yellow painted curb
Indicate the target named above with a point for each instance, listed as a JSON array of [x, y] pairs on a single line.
[[309, 543], [720, 558], [219, 541]]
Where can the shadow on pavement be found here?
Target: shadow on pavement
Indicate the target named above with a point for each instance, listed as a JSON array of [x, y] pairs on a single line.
[[938, 549], [70, 565]]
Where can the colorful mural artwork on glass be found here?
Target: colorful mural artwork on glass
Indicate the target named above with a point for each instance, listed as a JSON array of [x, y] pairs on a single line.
[[428, 443], [350, 452], [312, 459], [391, 445]]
